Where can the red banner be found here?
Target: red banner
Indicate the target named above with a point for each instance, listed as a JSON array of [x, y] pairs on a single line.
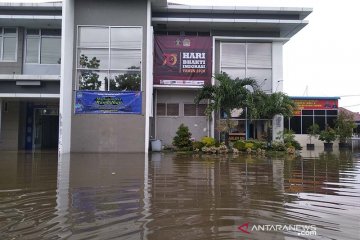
[[182, 60], [314, 104]]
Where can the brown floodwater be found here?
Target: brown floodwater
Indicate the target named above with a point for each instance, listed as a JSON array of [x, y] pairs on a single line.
[[174, 196]]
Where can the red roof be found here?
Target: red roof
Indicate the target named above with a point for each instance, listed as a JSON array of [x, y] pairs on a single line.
[[356, 114]]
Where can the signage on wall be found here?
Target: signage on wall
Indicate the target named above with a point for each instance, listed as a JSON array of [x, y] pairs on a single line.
[[314, 104], [182, 60], [107, 102]]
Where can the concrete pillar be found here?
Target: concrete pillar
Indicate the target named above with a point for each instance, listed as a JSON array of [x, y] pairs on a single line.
[[0, 115], [277, 86], [66, 91]]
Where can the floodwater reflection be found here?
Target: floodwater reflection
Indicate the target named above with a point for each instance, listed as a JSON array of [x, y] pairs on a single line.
[[172, 196]]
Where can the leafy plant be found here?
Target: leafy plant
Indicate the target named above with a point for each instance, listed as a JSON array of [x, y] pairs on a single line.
[[89, 79], [208, 141], [289, 140], [328, 135], [313, 131], [182, 140], [344, 126], [197, 145], [227, 94]]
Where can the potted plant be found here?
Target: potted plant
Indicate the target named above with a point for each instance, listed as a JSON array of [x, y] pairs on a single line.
[[328, 136], [344, 127], [313, 131]]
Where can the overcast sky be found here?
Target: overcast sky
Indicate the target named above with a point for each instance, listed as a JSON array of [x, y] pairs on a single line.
[[323, 58]]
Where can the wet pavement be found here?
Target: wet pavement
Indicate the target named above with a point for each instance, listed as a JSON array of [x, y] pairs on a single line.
[[172, 196]]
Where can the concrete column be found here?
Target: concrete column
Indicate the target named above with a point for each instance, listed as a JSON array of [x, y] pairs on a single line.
[[0, 115], [66, 83], [149, 77], [277, 86], [277, 67]]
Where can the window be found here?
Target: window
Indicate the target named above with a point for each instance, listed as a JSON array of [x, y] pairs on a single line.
[[167, 109], [8, 44], [248, 60], [43, 46], [195, 109], [109, 58]]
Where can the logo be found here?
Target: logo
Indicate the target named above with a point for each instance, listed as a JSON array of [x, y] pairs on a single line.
[[299, 229], [170, 59], [186, 42], [244, 228]]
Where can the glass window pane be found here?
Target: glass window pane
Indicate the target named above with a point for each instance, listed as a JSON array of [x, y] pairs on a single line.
[[9, 49], [92, 79], [189, 110], [295, 124], [161, 109], [0, 47], [307, 112], [319, 112], [307, 121], [201, 109], [259, 55], [320, 120], [32, 31], [126, 37], [331, 112], [51, 32], [9, 30], [93, 37], [233, 55], [234, 72], [286, 123], [32, 50], [172, 109], [125, 59], [125, 81], [262, 76], [331, 121], [50, 50], [88, 60]]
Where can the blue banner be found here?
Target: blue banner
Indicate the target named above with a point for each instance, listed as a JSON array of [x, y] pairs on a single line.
[[108, 102]]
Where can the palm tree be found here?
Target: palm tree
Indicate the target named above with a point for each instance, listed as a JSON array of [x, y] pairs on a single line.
[[227, 94], [267, 106]]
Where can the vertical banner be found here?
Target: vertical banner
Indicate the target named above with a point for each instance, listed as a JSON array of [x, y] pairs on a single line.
[[107, 102], [184, 60]]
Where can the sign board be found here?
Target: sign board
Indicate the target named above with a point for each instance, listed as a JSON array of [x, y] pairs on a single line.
[[314, 104], [182, 60], [101, 102]]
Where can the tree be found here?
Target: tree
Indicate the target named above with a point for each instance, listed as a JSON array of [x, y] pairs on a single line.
[[129, 81], [267, 106], [89, 79], [313, 131], [227, 94], [182, 140], [344, 125]]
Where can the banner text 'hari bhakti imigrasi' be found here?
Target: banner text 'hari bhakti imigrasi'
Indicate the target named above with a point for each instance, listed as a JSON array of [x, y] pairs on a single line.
[[182, 60]]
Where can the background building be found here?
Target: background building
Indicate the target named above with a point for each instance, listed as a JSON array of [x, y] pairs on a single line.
[[118, 89]]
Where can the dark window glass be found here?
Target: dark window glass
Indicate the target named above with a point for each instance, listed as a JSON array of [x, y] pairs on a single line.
[[332, 112], [32, 31], [9, 30], [189, 110], [307, 121], [201, 109], [307, 112], [320, 120], [319, 112], [295, 124], [331, 121], [286, 123], [161, 109], [51, 32], [172, 109]]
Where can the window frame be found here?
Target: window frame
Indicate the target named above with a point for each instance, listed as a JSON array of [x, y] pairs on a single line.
[[11, 35], [39, 37], [108, 70], [196, 109], [166, 109]]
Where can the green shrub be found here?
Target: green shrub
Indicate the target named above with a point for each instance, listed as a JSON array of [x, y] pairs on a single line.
[[278, 146], [197, 145], [182, 140], [208, 141], [289, 140], [328, 135], [249, 145], [239, 145]]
